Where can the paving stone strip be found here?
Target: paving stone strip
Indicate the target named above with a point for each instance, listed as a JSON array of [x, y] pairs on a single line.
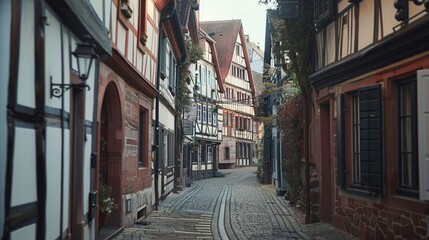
[[235, 207]]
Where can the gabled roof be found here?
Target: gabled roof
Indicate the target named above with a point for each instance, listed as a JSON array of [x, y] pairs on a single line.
[[206, 37], [225, 34], [186, 10]]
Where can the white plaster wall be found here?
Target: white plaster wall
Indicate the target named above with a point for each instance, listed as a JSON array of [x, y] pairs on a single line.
[[114, 24], [131, 46], [122, 34], [24, 189], [166, 118], [28, 232], [366, 23], [53, 59], [5, 23], [26, 84], [53, 181]]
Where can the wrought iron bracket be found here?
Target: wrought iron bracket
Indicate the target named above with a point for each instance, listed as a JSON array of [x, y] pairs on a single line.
[[58, 89]]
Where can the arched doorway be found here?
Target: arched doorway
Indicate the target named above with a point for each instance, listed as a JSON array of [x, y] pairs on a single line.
[[110, 159]]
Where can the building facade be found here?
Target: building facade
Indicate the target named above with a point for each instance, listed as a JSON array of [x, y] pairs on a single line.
[[172, 53], [206, 90], [48, 190], [127, 93], [371, 128], [237, 102]]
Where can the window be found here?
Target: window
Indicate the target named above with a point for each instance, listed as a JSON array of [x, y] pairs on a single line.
[[408, 145], [209, 55], [237, 50], [203, 153], [167, 60], [209, 78], [209, 154], [143, 144], [228, 119], [203, 76], [194, 156], [226, 153], [172, 73], [210, 115], [199, 76], [248, 150], [199, 113], [204, 114], [359, 126], [215, 118], [323, 11], [171, 148]]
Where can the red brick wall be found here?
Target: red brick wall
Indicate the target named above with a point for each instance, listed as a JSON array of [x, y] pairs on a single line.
[[134, 179], [368, 220]]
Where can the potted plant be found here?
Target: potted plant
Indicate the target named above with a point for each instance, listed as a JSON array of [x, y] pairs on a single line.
[[106, 202]]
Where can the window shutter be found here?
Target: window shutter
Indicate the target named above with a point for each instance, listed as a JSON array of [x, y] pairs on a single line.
[[161, 147], [340, 142], [423, 132], [371, 139]]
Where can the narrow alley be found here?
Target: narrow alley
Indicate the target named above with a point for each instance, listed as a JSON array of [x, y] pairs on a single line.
[[236, 206]]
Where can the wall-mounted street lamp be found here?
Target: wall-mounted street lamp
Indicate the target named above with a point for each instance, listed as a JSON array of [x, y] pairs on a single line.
[[85, 54]]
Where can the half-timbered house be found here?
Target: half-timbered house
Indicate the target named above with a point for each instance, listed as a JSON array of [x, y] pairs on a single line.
[[172, 53], [206, 91], [371, 134], [48, 114], [237, 102]]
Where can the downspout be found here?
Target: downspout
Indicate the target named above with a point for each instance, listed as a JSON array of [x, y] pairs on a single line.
[[156, 130]]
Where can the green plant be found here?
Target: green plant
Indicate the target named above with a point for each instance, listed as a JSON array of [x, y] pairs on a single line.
[[193, 54], [105, 200], [291, 125]]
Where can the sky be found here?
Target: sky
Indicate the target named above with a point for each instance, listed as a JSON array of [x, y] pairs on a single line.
[[251, 13]]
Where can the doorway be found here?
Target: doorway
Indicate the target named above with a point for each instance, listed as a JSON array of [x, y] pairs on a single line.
[[110, 160]]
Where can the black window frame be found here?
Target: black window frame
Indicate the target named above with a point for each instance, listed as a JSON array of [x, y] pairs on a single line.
[[413, 190], [370, 141]]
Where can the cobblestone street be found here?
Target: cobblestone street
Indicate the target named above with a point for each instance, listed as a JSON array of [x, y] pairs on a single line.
[[233, 207]]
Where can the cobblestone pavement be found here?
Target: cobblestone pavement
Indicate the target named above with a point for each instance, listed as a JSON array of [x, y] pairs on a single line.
[[233, 207]]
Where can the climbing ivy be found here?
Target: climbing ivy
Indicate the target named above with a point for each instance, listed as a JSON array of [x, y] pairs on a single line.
[[193, 54], [295, 40]]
